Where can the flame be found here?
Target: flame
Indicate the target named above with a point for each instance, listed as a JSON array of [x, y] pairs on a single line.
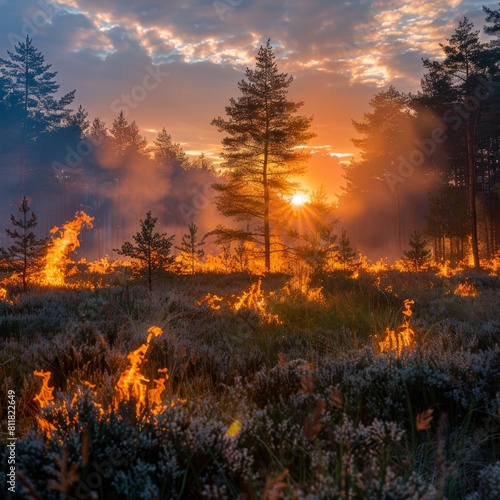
[[404, 338], [44, 398], [212, 300], [253, 299], [3, 296], [234, 429], [132, 384], [57, 258], [466, 290]]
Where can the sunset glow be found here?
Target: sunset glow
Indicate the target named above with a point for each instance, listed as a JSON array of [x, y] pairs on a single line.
[[274, 261], [299, 199]]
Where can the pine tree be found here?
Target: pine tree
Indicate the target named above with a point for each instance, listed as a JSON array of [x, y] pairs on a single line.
[[27, 250], [191, 250], [32, 85], [30, 89], [345, 254], [260, 150], [466, 62], [419, 256], [152, 249], [98, 132], [386, 142], [167, 154], [79, 121], [126, 138], [203, 164]]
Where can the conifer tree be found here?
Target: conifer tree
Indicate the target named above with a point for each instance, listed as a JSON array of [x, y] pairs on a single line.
[[191, 250], [345, 254], [467, 63], [260, 150], [26, 250], [126, 138], [152, 249], [167, 154], [32, 85], [30, 88], [419, 256]]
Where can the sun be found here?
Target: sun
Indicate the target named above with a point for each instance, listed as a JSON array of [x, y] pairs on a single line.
[[299, 199]]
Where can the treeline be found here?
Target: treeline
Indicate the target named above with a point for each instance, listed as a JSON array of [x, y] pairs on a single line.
[[430, 161], [65, 162]]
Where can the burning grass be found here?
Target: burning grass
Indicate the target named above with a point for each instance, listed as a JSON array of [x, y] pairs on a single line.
[[280, 387], [57, 258]]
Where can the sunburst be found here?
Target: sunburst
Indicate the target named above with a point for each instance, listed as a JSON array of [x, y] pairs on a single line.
[[299, 199]]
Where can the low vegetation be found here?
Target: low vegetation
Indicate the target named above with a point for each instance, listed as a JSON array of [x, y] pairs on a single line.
[[345, 384]]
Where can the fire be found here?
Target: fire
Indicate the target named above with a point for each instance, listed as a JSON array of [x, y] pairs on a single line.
[[252, 299], [466, 289], [132, 384], [404, 338], [3, 296], [57, 256], [44, 398]]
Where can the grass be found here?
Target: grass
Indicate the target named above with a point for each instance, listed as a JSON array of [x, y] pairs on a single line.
[[320, 411]]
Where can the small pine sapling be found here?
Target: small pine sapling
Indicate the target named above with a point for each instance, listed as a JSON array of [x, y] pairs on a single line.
[[27, 251], [418, 257], [191, 250], [345, 254], [152, 249]]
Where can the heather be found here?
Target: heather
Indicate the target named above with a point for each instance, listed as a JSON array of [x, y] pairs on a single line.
[[368, 384]]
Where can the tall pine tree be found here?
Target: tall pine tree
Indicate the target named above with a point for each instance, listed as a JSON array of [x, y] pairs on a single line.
[[260, 150], [466, 65], [30, 87]]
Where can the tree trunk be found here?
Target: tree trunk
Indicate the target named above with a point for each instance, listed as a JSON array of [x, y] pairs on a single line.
[[471, 181], [265, 185], [267, 235], [398, 224]]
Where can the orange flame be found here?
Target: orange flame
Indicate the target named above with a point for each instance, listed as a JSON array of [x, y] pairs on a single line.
[[132, 384], [466, 289], [404, 338], [253, 299], [57, 255], [3, 296], [44, 398]]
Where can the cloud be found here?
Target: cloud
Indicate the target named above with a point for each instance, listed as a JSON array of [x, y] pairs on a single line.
[[340, 54]]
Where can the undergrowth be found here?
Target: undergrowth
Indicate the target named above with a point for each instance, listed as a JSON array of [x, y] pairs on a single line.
[[273, 391]]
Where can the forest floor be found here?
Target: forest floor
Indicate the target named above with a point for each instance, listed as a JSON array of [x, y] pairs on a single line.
[[373, 385]]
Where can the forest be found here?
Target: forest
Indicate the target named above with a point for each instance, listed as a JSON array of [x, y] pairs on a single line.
[[174, 327]]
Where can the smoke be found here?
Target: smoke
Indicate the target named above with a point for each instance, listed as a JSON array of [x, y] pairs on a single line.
[[389, 197]]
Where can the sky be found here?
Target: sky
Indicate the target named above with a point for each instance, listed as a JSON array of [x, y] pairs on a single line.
[[176, 63]]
